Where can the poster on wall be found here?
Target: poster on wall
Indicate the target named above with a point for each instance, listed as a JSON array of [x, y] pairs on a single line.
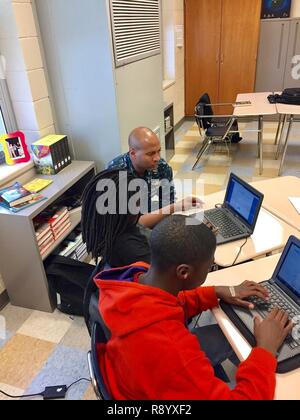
[[272, 9]]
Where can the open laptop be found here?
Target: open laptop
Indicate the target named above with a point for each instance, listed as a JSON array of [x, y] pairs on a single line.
[[284, 289], [236, 218]]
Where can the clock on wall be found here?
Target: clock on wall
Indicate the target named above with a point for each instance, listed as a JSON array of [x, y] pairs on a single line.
[[276, 9]]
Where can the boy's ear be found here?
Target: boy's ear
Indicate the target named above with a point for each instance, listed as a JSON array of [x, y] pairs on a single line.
[[183, 272]]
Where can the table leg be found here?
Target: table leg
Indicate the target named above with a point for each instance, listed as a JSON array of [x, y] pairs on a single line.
[[286, 145], [260, 142], [280, 138], [278, 130]]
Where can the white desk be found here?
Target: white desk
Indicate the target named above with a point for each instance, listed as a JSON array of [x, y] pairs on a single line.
[[286, 110], [288, 385], [276, 198], [260, 107], [271, 234]]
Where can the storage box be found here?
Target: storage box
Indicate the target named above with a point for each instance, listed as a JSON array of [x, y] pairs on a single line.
[[51, 154]]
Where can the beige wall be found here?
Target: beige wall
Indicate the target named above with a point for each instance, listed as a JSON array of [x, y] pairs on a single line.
[[173, 10], [295, 11]]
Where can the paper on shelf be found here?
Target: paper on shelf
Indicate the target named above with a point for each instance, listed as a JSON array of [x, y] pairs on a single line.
[[296, 203]]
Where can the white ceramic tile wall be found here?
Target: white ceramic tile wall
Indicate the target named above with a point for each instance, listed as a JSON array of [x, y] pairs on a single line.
[[38, 84], [32, 53], [24, 19], [19, 44], [47, 131], [173, 9], [43, 113]]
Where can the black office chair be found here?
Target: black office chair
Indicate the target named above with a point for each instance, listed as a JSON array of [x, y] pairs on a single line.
[[97, 336], [91, 302], [217, 130], [98, 331], [214, 121]]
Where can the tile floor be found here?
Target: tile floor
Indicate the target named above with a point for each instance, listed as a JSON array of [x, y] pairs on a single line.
[[39, 350]]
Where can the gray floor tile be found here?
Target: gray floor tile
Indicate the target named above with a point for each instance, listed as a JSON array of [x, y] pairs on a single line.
[[65, 366], [15, 317]]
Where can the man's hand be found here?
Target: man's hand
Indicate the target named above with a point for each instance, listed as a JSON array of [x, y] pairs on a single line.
[[242, 292], [188, 203], [272, 331]]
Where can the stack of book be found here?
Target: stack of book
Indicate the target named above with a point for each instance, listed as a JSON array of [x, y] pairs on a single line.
[[44, 236], [51, 154], [73, 246], [16, 198], [60, 222], [50, 225]]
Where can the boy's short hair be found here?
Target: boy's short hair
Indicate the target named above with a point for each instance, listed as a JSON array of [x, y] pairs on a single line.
[[175, 242]]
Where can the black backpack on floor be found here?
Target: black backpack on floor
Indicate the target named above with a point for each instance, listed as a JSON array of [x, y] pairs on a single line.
[[68, 278]]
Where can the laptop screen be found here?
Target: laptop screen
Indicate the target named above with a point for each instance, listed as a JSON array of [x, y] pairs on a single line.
[[242, 201], [289, 273]]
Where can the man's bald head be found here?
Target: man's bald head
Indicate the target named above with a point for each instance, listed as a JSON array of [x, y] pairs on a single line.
[[144, 149], [142, 138]]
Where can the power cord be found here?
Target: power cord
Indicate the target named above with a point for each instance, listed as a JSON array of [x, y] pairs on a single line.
[[76, 382], [239, 253], [21, 396], [53, 392]]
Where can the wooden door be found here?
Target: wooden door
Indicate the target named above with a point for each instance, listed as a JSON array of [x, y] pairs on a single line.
[[239, 48], [202, 50]]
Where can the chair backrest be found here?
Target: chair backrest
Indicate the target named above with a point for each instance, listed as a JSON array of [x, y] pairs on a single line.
[[98, 336], [90, 290], [91, 302], [203, 108]]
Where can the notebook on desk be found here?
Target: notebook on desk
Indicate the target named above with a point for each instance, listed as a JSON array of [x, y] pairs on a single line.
[[284, 290]]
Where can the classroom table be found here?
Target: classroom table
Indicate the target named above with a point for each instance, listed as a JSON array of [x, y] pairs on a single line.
[[276, 198], [288, 385], [260, 107], [271, 234], [285, 111]]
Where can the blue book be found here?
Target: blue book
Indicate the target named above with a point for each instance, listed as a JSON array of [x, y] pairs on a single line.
[[36, 198], [15, 195]]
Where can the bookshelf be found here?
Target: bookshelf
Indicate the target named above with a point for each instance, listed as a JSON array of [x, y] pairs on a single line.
[[22, 266]]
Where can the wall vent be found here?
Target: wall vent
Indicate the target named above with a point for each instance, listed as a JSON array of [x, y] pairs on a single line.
[[136, 29]]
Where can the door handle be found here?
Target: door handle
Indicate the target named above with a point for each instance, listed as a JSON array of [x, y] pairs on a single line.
[[222, 58]]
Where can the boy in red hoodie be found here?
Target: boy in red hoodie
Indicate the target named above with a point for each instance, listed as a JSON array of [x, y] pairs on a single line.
[[151, 354]]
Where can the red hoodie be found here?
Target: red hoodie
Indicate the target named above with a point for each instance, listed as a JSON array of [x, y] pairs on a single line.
[[152, 355]]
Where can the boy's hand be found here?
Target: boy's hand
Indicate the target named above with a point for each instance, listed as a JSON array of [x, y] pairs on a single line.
[[237, 295], [188, 203], [272, 331]]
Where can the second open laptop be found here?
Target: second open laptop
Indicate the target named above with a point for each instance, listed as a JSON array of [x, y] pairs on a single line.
[[236, 218], [284, 291]]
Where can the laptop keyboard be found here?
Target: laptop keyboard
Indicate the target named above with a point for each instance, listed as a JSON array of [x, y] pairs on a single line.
[[277, 300], [224, 223]]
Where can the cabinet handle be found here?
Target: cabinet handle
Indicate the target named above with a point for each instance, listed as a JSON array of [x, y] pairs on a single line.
[[280, 48]]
